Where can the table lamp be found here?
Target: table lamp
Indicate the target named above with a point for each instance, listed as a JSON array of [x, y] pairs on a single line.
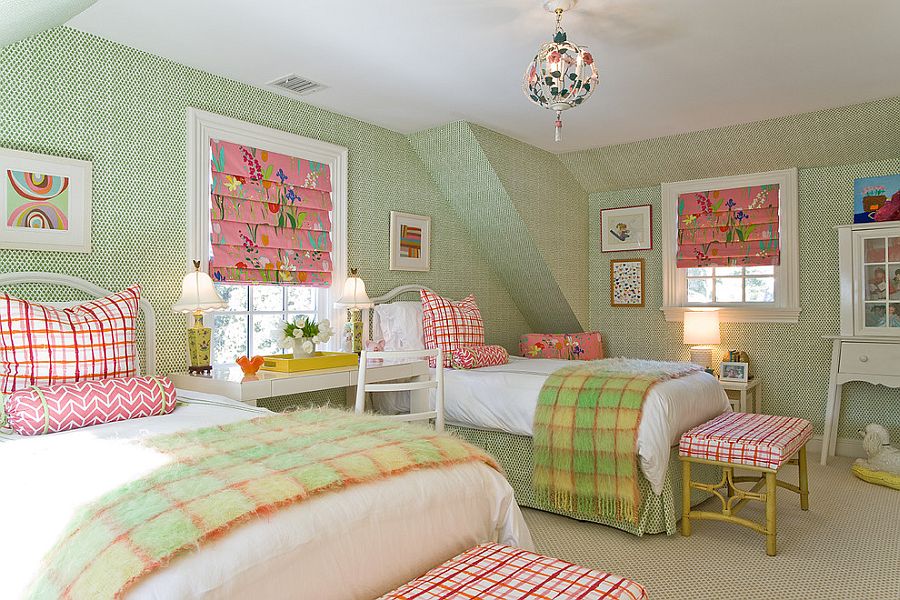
[[354, 298], [198, 295], [701, 328]]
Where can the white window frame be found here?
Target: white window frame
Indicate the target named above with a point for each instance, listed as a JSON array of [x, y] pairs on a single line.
[[204, 126], [786, 308]]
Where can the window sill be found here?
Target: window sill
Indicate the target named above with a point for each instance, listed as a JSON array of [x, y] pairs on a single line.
[[732, 314]]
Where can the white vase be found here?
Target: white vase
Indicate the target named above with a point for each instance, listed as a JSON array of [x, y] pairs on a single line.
[[298, 348]]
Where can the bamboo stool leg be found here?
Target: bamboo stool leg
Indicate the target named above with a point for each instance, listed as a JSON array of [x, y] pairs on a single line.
[[686, 498], [804, 483], [771, 486]]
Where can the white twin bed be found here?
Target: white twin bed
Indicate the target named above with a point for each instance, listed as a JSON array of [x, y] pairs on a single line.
[[359, 542]]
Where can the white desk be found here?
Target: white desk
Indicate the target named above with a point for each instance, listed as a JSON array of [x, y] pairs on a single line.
[[232, 383]]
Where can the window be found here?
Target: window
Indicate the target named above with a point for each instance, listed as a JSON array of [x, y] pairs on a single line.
[[255, 309], [730, 267]]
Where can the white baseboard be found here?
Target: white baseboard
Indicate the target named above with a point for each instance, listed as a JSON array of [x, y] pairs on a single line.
[[845, 447]]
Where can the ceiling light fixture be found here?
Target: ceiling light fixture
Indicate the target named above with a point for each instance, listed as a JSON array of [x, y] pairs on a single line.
[[562, 74]]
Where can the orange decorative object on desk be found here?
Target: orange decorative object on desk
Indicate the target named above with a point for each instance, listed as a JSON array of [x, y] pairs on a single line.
[[250, 365]]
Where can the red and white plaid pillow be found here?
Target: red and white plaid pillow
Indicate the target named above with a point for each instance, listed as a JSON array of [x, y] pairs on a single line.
[[450, 325], [44, 345]]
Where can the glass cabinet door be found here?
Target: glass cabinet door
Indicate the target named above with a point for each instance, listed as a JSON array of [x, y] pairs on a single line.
[[881, 283]]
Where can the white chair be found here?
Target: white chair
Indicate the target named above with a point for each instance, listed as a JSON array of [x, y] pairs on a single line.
[[437, 383]]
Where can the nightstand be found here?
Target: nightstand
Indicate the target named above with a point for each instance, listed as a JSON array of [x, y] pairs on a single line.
[[742, 388]]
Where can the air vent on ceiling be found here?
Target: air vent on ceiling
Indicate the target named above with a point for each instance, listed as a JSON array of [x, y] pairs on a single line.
[[296, 85]]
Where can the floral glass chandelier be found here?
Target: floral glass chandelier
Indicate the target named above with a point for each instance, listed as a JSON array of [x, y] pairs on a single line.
[[562, 74]]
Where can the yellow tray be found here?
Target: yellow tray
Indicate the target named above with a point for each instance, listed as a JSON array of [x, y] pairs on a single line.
[[286, 363]]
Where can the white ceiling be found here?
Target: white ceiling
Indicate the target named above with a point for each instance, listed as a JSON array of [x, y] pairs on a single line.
[[666, 66]]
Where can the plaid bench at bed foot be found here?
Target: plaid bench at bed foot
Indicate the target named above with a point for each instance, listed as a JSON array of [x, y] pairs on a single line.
[[497, 572]]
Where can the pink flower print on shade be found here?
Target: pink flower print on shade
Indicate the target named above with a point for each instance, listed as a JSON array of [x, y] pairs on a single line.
[[588, 58], [252, 164]]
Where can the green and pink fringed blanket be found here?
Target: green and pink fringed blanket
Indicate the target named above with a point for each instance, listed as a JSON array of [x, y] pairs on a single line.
[[585, 434], [221, 476]]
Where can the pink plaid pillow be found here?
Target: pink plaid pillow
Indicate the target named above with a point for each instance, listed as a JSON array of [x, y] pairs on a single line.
[[43, 345], [474, 357], [569, 346], [450, 325], [37, 410]]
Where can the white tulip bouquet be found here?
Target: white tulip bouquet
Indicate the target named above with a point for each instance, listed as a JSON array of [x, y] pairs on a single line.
[[305, 330]]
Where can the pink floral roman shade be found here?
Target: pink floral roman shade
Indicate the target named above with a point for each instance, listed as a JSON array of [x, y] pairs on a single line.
[[270, 217], [732, 227]]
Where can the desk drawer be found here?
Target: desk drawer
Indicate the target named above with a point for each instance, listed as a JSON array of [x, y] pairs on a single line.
[[872, 358]]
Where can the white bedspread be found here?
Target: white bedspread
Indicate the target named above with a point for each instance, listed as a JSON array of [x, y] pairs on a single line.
[[504, 398], [357, 543]]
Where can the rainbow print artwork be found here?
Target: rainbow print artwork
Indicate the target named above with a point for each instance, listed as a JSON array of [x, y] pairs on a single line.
[[410, 241], [37, 200]]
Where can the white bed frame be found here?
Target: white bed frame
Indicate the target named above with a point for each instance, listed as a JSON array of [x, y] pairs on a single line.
[[95, 291], [369, 317]]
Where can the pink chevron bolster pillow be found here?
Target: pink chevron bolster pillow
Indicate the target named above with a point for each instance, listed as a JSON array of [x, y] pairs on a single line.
[[570, 346], [474, 357], [37, 410]]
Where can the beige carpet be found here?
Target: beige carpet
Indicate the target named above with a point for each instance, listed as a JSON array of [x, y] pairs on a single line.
[[846, 547]]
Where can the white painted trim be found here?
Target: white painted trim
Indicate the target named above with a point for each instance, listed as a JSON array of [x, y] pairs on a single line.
[[202, 126], [845, 447], [96, 291], [787, 279]]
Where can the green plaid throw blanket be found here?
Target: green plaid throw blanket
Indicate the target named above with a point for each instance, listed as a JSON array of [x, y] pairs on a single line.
[[221, 476], [585, 434]]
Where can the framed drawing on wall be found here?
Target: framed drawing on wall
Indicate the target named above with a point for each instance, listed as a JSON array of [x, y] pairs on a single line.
[[45, 202], [626, 282], [626, 228], [410, 242]]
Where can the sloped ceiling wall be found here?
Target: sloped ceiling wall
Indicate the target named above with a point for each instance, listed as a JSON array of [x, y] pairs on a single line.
[[20, 19], [500, 188], [837, 136]]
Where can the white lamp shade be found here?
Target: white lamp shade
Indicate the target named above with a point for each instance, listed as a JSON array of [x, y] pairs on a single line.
[[198, 294], [701, 327], [354, 295]]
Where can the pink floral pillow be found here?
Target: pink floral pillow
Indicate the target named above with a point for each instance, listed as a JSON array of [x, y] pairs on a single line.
[[38, 410], [474, 357], [569, 346]]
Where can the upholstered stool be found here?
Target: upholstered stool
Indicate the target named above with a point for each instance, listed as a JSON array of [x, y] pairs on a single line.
[[760, 443], [494, 571]]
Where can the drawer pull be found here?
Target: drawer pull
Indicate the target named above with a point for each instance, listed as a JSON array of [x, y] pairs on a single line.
[[863, 358]]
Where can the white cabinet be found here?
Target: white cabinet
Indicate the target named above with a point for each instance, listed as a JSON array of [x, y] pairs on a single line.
[[868, 348]]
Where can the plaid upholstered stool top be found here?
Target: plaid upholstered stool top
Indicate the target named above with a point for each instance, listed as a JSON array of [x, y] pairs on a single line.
[[497, 572], [766, 441]]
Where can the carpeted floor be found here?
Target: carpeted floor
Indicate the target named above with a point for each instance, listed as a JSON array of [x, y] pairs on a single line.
[[846, 547]]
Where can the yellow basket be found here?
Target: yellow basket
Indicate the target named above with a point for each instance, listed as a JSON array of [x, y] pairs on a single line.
[[286, 363]]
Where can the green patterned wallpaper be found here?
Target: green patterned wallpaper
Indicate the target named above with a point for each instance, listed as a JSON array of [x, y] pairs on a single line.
[[71, 94], [508, 194], [792, 360]]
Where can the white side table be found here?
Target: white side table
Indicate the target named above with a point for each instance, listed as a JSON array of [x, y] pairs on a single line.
[[743, 388]]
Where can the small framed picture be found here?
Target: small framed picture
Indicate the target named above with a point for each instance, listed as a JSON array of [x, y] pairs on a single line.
[[734, 371], [627, 228], [876, 199], [626, 282], [45, 202], [410, 242]]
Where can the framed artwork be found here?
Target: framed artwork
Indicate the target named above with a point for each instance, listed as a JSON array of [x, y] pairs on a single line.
[[45, 202], [626, 228], [410, 242], [734, 371], [626, 282], [876, 199]]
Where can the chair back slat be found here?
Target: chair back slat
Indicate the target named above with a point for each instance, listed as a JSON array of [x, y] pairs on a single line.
[[434, 381]]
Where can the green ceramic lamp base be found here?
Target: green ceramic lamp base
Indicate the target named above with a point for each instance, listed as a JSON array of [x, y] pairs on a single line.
[[199, 345]]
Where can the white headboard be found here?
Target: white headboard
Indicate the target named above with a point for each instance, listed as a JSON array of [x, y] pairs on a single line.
[[368, 318], [94, 291]]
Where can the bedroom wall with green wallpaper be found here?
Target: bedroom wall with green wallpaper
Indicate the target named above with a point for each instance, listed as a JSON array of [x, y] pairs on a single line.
[[525, 214], [793, 360], [71, 94]]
